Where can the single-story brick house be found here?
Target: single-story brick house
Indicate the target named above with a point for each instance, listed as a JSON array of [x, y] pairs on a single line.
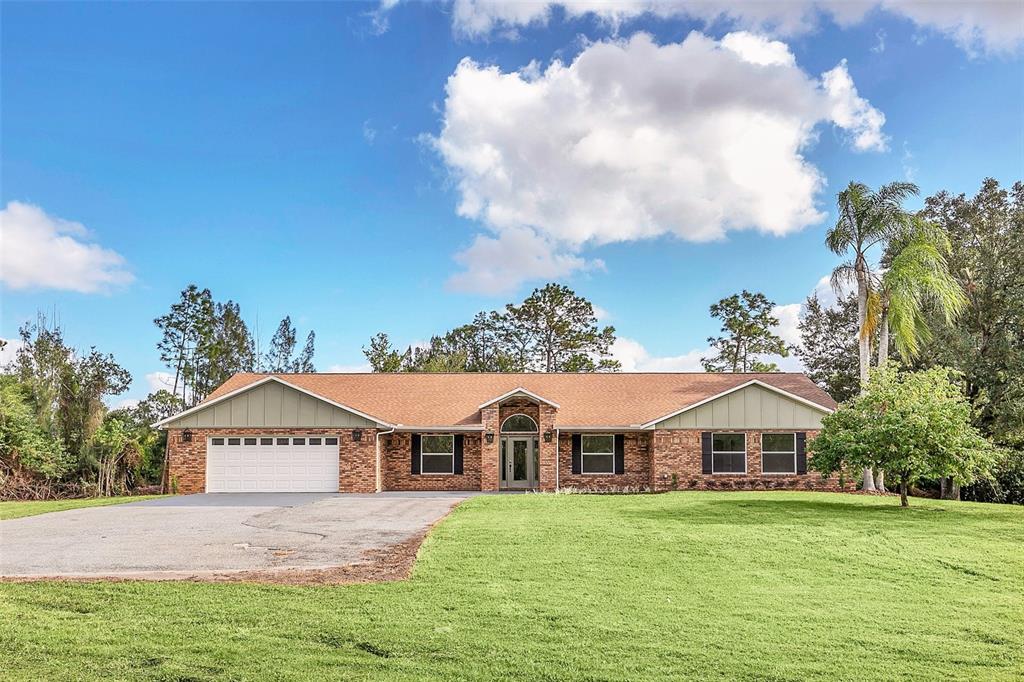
[[373, 432]]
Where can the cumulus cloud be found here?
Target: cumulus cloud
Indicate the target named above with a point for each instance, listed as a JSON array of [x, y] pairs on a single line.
[[634, 140], [635, 358], [978, 27], [358, 368], [38, 250]]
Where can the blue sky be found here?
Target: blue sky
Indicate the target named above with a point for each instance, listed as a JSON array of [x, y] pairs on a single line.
[[306, 159]]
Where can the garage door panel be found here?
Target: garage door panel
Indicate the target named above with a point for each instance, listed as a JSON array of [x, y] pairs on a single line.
[[272, 464]]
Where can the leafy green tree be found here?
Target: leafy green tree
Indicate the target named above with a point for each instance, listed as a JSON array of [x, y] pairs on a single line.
[[23, 442], [553, 330], [561, 331], [66, 387], [747, 322], [987, 343], [184, 329], [304, 362], [282, 358], [914, 425], [381, 355], [828, 345], [116, 453]]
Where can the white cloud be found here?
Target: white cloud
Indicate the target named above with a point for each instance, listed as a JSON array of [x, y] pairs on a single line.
[[369, 132], [852, 112], [358, 368], [10, 351], [160, 380], [126, 404], [635, 358], [601, 314], [977, 27], [42, 251], [496, 265], [759, 50], [635, 140], [789, 317]]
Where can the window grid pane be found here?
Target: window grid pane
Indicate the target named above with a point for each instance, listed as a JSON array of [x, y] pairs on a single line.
[[437, 445], [778, 462], [598, 464], [437, 464], [778, 442], [598, 445]]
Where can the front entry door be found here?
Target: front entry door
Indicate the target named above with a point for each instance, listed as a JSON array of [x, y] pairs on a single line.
[[518, 463]]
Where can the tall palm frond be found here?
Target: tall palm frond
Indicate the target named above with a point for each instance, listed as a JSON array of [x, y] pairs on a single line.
[[917, 278]]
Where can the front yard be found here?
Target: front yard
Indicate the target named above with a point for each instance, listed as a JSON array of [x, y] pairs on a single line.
[[780, 586], [16, 510]]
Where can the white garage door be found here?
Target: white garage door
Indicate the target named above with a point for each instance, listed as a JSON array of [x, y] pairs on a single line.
[[271, 464]]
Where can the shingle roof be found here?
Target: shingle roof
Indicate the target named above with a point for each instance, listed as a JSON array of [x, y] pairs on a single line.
[[612, 399]]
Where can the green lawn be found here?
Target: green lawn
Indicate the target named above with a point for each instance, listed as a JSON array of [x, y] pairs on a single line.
[[15, 510], [729, 586]]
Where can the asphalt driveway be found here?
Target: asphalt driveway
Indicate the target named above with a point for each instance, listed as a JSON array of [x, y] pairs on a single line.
[[215, 533]]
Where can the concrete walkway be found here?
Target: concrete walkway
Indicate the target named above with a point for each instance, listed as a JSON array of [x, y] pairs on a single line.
[[198, 534]]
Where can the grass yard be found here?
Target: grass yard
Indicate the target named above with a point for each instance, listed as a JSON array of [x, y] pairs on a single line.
[[15, 510], [730, 586]]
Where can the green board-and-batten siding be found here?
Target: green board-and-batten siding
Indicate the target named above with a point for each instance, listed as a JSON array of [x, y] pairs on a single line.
[[752, 407], [271, 404]]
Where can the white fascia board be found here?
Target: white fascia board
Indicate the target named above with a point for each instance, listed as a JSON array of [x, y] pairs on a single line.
[[401, 428], [752, 382], [247, 387], [519, 391]]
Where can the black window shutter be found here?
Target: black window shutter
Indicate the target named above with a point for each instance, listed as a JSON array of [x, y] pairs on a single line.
[[577, 453], [458, 455], [415, 453], [801, 453], [620, 453], [705, 452]]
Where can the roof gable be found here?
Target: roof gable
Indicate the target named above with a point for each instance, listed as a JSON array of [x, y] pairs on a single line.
[[271, 401]]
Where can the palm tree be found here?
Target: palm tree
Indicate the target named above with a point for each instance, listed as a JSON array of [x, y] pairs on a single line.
[[915, 276], [867, 218]]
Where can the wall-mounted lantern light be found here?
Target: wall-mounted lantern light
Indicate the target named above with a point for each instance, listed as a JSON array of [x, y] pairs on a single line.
[[548, 435], [357, 435], [489, 436], [186, 436]]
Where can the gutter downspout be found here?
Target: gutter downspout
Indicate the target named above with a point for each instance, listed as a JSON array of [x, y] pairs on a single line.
[[377, 465], [558, 442]]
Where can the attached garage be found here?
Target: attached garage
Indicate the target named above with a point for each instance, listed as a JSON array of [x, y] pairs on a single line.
[[272, 464]]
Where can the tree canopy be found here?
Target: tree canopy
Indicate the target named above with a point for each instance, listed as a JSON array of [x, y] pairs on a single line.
[[912, 424], [747, 324]]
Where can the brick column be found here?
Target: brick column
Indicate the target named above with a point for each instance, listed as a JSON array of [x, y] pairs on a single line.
[[548, 459], [489, 451]]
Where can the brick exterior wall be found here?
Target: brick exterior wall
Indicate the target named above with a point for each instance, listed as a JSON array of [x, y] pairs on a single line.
[[396, 466], [651, 460], [678, 452], [636, 469], [357, 468]]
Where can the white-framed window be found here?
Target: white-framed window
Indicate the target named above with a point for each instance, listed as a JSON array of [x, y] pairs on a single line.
[[437, 454], [728, 453], [598, 453], [778, 453]]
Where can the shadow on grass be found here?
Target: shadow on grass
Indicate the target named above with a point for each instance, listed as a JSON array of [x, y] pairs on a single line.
[[787, 511]]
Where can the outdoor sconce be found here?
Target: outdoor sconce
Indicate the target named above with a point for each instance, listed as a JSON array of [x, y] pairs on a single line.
[[186, 436], [357, 435], [489, 436], [548, 435]]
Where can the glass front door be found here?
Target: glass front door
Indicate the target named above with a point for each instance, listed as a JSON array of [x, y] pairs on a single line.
[[518, 463]]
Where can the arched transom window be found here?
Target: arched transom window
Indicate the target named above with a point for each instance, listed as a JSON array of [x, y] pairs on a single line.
[[519, 423]]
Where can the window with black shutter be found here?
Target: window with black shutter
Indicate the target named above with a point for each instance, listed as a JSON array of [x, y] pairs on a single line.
[[728, 453]]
